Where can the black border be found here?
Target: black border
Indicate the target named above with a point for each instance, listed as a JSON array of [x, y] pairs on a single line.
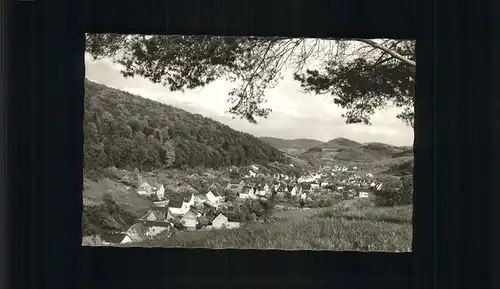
[[453, 149]]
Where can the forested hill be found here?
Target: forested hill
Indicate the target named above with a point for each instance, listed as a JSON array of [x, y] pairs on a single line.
[[128, 131]]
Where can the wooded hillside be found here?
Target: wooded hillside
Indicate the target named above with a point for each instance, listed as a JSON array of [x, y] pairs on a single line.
[[128, 131]]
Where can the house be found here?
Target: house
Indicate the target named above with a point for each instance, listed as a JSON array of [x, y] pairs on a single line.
[[260, 191], [369, 175], [314, 186], [134, 234], [155, 214], [232, 225], [189, 220], [219, 222], [252, 174], [162, 203], [266, 187], [160, 194], [200, 199], [363, 195], [150, 216], [213, 198], [379, 187], [303, 195], [254, 167], [189, 200], [145, 189], [281, 187], [296, 190], [246, 193], [235, 185], [112, 238], [177, 207], [340, 188], [324, 184], [152, 229]]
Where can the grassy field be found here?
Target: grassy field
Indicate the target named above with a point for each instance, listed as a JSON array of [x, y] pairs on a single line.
[[353, 229]]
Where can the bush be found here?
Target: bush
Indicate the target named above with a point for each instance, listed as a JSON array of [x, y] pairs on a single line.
[[391, 196], [202, 222], [312, 204], [324, 203], [178, 224]]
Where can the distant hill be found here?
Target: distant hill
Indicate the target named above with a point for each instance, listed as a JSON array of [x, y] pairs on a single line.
[[301, 143], [345, 150], [128, 131], [340, 143]]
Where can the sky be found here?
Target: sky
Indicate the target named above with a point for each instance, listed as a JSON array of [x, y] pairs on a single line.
[[295, 114]]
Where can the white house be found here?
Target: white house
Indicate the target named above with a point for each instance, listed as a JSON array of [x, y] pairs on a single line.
[[369, 175], [145, 189], [314, 186], [160, 194], [189, 202], [363, 194], [212, 198], [150, 216], [246, 193], [189, 220], [152, 231], [324, 184], [291, 165], [134, 234], [340, 188], [178, 207], [252, 174], [355, 168], [254, 167], [296, 189], [261, 191], [232, 225], [303, 196], [219, 221], [161, 203], [266, 187], [379, 187]]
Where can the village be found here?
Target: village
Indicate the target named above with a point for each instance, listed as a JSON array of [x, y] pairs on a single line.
[[208, 210]]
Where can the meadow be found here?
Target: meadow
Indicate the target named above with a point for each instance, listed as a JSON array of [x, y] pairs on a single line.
[[334, 229]]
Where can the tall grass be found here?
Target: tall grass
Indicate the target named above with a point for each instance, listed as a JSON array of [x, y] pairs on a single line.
[[369, 229]]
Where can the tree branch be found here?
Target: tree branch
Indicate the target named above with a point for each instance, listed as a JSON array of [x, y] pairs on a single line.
[[387, 50]]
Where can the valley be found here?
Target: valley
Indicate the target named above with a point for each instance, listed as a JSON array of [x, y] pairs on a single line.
[[156, 175]]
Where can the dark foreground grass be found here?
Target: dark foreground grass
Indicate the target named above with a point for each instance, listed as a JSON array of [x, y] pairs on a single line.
[[369, 229]]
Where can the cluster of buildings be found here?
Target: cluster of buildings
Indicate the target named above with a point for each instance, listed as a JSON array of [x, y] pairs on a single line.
[[188, 210]]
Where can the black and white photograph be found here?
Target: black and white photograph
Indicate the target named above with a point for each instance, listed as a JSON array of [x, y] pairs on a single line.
[[248, 142]]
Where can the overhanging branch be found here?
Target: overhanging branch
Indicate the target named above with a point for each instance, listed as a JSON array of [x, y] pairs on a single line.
[[387, 50]]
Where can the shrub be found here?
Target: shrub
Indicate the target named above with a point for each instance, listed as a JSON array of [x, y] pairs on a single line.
[[178, 224], [391, 196], [202, 222], [312, 204], [324, 203]]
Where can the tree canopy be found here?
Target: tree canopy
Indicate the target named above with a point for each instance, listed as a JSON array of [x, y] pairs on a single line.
[[360, 75], [126, 131]]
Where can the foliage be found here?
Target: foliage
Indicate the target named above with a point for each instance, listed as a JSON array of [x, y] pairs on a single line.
[[125, 131], [374, 229], [203, 221], [324, 203], [108, 216], [396, 196], [361, 75]]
